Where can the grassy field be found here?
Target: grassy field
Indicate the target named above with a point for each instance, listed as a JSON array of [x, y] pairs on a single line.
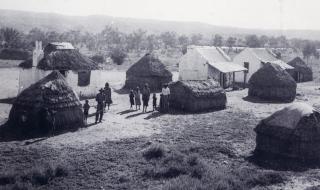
[[131, 150]]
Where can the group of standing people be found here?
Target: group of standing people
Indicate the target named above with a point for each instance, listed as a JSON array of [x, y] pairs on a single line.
[[135, 98], [103, 99]]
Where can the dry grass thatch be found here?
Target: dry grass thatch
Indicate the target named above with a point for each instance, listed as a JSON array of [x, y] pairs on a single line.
[[148, 69], [66, 59], [292, 132], [271, 82], [197, 96], [301, 67], [51, 94]]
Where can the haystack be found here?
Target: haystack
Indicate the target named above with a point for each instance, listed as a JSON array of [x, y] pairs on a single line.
[[148, 69], [48, 106], [292, 132], [301, 72], [63, 59], [197, 96], [271, 82]]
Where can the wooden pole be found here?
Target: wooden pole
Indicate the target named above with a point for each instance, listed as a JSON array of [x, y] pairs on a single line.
[[233, 78], [244, 79]]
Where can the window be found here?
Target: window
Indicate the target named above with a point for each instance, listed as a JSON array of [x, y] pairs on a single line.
[[84, 78], [246, 65]]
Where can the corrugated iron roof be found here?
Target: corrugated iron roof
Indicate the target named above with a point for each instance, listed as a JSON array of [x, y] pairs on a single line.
[[218, 59], [267, 56]]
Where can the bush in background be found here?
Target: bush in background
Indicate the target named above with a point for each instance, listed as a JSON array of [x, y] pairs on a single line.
[[118, 55]]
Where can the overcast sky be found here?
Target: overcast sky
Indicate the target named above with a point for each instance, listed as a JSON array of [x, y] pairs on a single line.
[[264, 14]]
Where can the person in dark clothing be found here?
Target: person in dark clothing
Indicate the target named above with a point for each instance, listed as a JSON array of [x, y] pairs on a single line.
[[145, 97], [131, 96], [154, 101], [107, 93], [100, 98], [86, 108]]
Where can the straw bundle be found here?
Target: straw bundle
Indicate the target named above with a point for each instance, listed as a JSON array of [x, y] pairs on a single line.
[[301, 67]]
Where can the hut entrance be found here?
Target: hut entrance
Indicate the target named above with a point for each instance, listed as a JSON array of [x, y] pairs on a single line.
[[298, 76], [63, 72], [84, 78]]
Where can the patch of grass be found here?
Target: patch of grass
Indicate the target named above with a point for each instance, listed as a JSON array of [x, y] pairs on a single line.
[[154, 151], [41, 175]]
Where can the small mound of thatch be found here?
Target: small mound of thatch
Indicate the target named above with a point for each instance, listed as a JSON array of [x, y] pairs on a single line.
[[271, 82], [197, 96], [149, 69], [301, 69], [292, 132], [14, 54], [65, 59], [27, 64], [48, 106]]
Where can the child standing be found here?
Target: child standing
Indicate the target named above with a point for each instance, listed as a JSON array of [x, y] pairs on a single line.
[[86, 108], [131, 96], [154, 101]]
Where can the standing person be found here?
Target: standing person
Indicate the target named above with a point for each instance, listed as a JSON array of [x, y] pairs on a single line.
[[131, 96], [100, 105], [154, 101], [165, 97], [86, 108], [107, 93], [145, 97], [137, 98]]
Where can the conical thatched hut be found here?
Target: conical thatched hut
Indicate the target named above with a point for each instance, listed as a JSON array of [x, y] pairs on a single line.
[[46, 107], [197, 96], [148, 69], [301, 72], [271, 82], [292, 132]]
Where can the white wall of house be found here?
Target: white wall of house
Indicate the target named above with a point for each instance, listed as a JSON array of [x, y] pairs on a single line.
[[30, 76], [193, 66], [9, 83], [254, 64]]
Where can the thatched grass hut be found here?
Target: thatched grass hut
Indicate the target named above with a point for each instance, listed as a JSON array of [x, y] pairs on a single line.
[[301, 72], [292, 132], [197, 96], [149, 69], [63, 57], [46, 107], [271, 82]]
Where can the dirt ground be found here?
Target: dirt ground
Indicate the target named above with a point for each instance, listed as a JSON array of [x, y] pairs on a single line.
[[109, 155]]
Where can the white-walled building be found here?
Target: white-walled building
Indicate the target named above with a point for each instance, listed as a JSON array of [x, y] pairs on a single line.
[[81, 73], [253, 59], [205, 62]]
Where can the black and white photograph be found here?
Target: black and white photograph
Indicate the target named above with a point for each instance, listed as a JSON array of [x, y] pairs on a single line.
[[159, 95]]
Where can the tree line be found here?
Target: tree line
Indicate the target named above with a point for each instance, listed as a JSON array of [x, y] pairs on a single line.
[[110, 39]]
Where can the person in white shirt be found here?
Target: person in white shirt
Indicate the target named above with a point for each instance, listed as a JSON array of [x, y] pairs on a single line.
[[165, 98]]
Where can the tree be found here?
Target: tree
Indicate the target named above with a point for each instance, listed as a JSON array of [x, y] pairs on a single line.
[[252, 41], [264, 40], [118, 55], [11, 37], [231, 41], [217, 40], [109, 38], [169, 39], [310, 50], [183, 40], [282, 42], [196, 39]]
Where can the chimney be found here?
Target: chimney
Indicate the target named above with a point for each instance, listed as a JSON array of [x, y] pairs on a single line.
[[37, 53]]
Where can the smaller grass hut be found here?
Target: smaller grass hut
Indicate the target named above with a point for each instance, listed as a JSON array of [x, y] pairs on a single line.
[[293, 132], [197, 96], [49, 106], [301, 72], [149, 69], [271, 82]]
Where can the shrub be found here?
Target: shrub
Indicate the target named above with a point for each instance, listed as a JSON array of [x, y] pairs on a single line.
[[98, 58], [154, 151], [118, 55]]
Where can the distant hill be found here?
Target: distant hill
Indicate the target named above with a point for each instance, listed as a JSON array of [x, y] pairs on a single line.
[[25, 21]]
